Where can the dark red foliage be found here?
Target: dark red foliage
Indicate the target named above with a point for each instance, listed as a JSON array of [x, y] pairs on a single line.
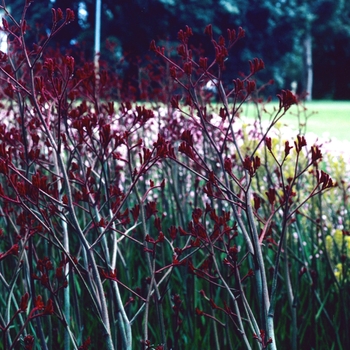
[[93, 180]]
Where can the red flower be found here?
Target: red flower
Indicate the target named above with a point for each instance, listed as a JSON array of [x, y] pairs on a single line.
[[300, 143], [49, 308], [70, 17], [271, 195], [287, 148], [256, 65], [268, 143], [209, 31], [172, 232], [316, 154], [28, 342], [287, 99], [24, 302], [151, 209], [39, 305]]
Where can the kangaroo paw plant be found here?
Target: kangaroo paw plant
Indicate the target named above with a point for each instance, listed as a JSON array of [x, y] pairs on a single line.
[[173, 224]]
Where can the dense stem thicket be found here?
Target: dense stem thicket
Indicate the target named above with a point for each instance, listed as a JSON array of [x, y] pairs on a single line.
[[165, 226]]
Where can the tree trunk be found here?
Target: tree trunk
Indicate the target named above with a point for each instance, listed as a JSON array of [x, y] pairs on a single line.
[[307, 69], [97, 46]]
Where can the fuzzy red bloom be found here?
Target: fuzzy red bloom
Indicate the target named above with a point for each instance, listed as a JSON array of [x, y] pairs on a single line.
[[151, 209], [256, 65], [70, 16], [172, 232], [187, 137], [257, 201], [268, 143], [316, 154], [28, 342], [287, 99], [24, 302], [251, 165], [287, 149], [271, 195], [203, 63], [300, 143], [209, 31], [39, 304], [49, 310]]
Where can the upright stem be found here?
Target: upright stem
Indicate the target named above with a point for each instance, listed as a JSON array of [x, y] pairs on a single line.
[[122, 316], [290, 296], [101, 299], [263, 292], [66, 291], [234, 300]]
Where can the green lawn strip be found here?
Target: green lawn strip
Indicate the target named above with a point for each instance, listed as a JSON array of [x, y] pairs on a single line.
[[329, 119]]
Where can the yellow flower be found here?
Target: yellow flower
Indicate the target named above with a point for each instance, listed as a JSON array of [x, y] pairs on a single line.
[[337, 275], [338, 239], [347, 246], [338, 272], [329, 245]]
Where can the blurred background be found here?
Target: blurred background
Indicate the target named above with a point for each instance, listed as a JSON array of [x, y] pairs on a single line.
[[305, 44]]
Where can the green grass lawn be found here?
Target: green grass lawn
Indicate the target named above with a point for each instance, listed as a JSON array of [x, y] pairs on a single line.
[[325, 118]]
